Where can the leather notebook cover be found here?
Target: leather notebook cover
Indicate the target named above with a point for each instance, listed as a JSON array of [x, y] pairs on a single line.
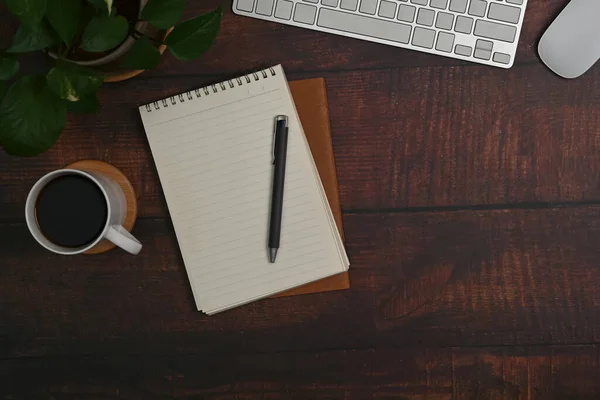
[[310, 96]]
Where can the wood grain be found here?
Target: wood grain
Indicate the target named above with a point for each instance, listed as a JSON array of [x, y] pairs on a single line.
[[402, 138], [484, 278], [472, 217], [527, 373]]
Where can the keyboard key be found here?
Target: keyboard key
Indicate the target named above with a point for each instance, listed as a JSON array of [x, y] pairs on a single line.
[[492, 30], [387, 9], [484, 44], [329, 3], [518, 2], [265, 7], [312, 1], [441, 4], [364, 25], [406, 13], [423, 37], [501, 58], [477, 8], [482, 54], [368, 6], [459, 6], [445, 42], [419, 2], [463, 24], [444, 21], [425, 17], [305, 13], [462, 50], [245, 5], [283, 9], [503, 13], [483, 49], [349, 5]]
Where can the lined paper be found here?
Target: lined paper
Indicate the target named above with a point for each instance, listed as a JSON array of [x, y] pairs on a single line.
[[213, 154]]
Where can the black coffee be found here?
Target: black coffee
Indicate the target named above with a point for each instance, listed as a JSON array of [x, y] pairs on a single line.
[[71, 211]]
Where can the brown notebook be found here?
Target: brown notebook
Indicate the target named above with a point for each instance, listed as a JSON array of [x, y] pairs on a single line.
[[310, 97]]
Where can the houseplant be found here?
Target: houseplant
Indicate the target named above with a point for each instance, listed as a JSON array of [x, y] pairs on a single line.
[[83, 36]]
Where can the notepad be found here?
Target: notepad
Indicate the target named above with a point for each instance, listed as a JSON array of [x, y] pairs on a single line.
[[213, 150]]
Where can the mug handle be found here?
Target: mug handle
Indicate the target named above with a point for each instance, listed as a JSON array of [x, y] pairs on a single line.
[[125, 240]]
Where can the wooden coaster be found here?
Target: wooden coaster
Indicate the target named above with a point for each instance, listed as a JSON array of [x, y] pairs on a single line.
[[117, 175]]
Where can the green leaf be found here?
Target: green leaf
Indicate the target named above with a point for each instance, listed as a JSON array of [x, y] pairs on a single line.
[[104, 33], [64, 16], [105, 6], [3, 89], [9, 66], [29, 12], [73, 82], [26, 39], [87, 13], [143, 55], [163, 14], [192, 38], [87, 105], [31, 117]]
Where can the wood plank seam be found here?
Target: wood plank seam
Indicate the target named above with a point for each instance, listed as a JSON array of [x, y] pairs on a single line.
[[297, 74]]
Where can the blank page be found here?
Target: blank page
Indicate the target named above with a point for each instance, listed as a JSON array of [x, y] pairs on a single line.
[[213, 152]]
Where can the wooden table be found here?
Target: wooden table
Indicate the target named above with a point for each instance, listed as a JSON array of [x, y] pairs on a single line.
[[471, 200]]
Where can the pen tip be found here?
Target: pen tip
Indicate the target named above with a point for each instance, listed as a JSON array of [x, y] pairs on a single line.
[[272, 255]]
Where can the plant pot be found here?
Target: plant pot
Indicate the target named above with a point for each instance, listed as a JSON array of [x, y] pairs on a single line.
[[119, 75], [109, 63]]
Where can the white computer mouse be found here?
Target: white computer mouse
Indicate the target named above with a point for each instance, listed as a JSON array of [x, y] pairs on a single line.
[[571, 45]]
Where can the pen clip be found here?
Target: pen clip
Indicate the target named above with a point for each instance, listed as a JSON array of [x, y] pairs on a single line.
[[274, 141]]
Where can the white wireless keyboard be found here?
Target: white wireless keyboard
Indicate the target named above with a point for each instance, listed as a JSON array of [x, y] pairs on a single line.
[[481, 31]]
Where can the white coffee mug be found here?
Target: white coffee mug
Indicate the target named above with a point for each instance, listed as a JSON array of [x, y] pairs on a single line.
[[116, 204]]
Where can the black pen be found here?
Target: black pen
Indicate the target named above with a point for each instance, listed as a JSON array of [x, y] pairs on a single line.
[[279, 160]]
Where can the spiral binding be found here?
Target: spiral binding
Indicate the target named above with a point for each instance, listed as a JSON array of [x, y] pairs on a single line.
[[207, 90]]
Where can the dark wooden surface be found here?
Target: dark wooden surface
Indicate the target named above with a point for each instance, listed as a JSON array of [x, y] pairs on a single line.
[[471, 200]]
